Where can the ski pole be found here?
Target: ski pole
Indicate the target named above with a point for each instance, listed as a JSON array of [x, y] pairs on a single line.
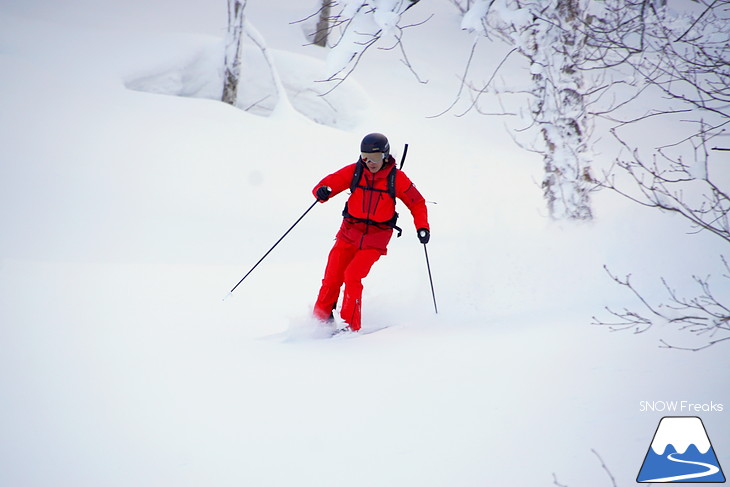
[[272, 248], [403, 159], [428, 266]]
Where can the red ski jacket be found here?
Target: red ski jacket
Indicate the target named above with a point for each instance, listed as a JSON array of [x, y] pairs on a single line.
[[370, 211]]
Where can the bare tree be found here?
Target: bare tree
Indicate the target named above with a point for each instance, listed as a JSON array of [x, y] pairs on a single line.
[[232, 58], [560, 110], [238, 25], [550, 35], [604, 60], [686, 59]]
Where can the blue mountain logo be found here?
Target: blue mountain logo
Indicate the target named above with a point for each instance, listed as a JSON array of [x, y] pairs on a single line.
[[681, 452]]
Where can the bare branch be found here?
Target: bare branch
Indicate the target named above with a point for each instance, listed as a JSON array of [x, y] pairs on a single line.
[[605, 468], [479, 92], [700, 315]]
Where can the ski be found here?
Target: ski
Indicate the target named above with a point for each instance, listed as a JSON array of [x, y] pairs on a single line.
[[343, 332]]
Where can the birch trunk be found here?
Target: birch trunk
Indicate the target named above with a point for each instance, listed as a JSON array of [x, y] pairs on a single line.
[[232, 59]]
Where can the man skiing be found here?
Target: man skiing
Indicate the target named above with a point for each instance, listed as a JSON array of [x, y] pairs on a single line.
[[369, 219]]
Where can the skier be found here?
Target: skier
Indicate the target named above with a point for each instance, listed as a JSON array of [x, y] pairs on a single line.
[[369, 219]]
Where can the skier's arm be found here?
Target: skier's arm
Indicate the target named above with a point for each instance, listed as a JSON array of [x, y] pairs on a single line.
[[416, 203], [338, 181]]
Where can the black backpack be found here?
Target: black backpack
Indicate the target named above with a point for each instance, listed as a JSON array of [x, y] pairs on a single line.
[[355, 183]]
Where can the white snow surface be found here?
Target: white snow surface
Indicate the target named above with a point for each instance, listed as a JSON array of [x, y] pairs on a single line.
[[128, 214]]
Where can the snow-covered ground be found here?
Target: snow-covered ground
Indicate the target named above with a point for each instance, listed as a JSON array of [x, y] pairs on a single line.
[[127, 214]]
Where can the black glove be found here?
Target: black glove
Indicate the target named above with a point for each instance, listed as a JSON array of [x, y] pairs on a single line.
[[323, 193], [424, 235]]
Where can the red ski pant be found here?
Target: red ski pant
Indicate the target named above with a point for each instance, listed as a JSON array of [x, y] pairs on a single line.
[[346, 265]]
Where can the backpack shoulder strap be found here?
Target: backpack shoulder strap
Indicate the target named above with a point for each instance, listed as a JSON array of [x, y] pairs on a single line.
[[391, 181], [356, 175]]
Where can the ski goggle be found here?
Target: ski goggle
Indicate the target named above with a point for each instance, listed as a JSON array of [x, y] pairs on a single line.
[[373, 157]]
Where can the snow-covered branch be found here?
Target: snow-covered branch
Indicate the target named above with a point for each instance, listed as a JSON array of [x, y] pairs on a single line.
[[355, 27]]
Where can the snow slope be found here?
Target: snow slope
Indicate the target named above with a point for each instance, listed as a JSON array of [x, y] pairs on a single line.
[[127, 215]]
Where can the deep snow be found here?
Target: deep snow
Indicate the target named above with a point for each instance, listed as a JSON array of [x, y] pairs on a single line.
[[127, 215]]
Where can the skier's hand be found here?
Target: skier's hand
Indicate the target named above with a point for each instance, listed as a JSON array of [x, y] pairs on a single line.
[[323, 193], [424, 235]]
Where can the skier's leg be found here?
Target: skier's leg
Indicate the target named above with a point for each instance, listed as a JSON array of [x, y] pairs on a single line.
[[354, 274], [339, 257]]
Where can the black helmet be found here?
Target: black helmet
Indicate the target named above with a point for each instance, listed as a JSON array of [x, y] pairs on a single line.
[[375, 143]]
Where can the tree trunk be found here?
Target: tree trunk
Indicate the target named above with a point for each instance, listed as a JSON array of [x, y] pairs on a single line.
[[550, 34], [560, 111], [232, 60], [323, 26]]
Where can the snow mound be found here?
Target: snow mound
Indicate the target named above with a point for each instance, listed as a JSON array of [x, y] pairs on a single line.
[[195, 70]]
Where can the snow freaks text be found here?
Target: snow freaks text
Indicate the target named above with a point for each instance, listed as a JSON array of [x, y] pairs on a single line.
[[680, 407]]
